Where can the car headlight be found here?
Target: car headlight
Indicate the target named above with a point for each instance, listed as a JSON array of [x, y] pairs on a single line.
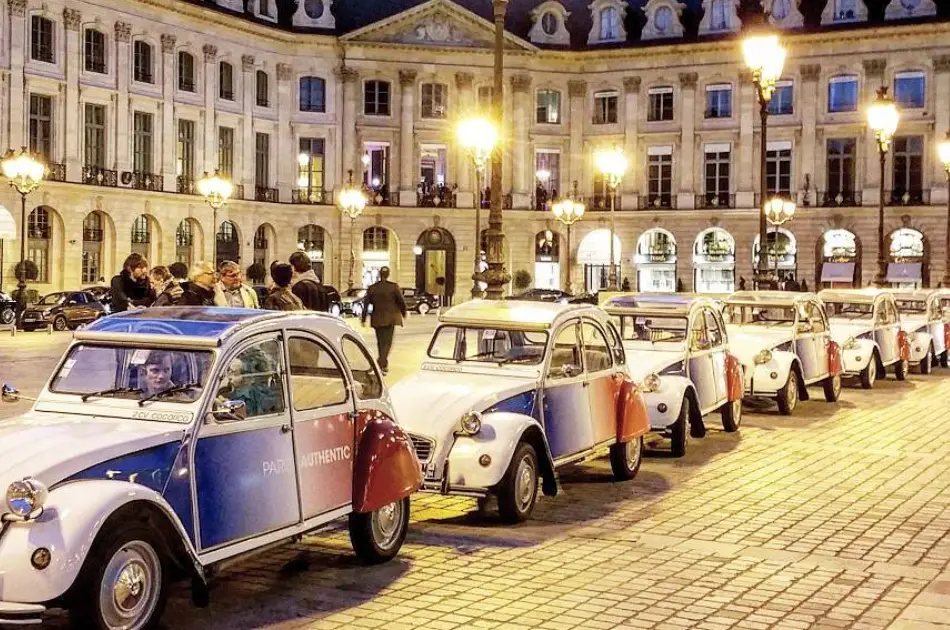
[[763, 357], [651, 383], [26, 496], [850, 343], [471, 423]]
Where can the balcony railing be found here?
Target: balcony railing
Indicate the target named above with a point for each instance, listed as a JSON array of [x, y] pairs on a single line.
[[270, 195], [541, 204], [92, 235], [147, 181], [186, 85], [96, 65], [227, 95], [436, 197], [40, 232], [716, 200], [378, 196], [660, 201], [97, 176], [305, 195], [839, 198], [56, 172], [141, 238], [238, 192], [907, 197], [600, 201]]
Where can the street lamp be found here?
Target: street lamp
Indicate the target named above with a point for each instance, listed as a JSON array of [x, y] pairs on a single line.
[[765, 58], [352, 203], [612, 164], [216, 190], [478, 136], [25, 173], [943, 149], [777, 211], [882, 119], [568, 212]]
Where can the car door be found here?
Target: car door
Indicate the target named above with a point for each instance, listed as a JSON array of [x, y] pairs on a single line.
[[73, 308], [245, 482], [887, 327], [566, 408], [821, 341], [700, 366], [716, 331], [808, 346], [604, 381], [323, 425]]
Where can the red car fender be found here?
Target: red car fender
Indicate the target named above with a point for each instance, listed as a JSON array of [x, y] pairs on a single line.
[[734, 385], [903, 345], [632, 417], [835, 362], [946, 336], [386, 468]]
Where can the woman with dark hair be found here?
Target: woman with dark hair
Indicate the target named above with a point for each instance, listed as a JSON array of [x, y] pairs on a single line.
[[131, 287]]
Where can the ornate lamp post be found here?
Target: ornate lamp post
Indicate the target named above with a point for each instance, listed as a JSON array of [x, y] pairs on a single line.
[[352, 203], [216, 190], [943, 149], [777, 211], [882, 118], [765, 58], [25, 173], [568, 212], [478, 136], [612, 164]]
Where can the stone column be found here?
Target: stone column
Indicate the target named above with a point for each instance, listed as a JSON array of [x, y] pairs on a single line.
[[407, 138], [285, 157], [169, 132], [631, 148], [464, 169], [577, 91], [349, 77], [71, 21], [941, 124], [247, 125], [808, 149], [211, 121], [687, 190], [873, 79], [18, 99], [523, 166], [744, 164], [123, 71]]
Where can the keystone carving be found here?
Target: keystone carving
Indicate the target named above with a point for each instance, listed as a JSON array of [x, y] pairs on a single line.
[[810, 72], [689, 79], [210, 51], [874, 67], [577, 88], [123, 32], [168, 43], [631, 85], [247, 61], [72, 19]]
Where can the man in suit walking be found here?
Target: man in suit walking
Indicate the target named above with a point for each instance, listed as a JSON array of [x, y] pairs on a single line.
[[385, 300]]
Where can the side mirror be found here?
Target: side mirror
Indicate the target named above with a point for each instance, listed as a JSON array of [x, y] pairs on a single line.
[[230, 411], [10, 394]]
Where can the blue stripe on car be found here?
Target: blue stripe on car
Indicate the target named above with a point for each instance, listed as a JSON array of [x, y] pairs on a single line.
[[523, 403]]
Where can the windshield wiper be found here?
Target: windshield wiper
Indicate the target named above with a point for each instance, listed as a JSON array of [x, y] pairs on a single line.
[[110, 392], [177, 389]]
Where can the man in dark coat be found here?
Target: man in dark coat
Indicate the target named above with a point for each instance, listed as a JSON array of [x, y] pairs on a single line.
[[389, 309], [306, 285], [131, 287]]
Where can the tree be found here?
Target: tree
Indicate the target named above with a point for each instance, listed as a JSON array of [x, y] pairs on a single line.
[[522, 280], [32, 271]]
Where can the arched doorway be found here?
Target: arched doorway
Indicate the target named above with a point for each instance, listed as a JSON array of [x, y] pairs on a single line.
[[93, 248], [656, 261], [142, 237], [264, 239], [594, 254], [781, 253], [435, 263], [39, 245], [311, 239], [380, 249], [188, 244], [839, 260], [547, 260], [909, 259], [714, 262], [228, 244]]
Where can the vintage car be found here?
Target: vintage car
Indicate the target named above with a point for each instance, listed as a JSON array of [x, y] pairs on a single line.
[[925, 319], [785, 343], [352, 302], [867, 325], [172, 441], [511, 391], [7, 308], [62, 311], [678, 350]]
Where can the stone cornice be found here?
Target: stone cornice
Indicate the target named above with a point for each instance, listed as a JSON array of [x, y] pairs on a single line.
[[631, 85], [577, 88], [247, 62], [810, 71], [407, 78], [72, 19], [874, 67], [123, 32], [168, 43]]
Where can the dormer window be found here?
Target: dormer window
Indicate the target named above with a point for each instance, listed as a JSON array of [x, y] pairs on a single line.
[[844, 11], [549, 23], [607, 25], [663, 18], [901, 9], [719, 16], [785, 13]]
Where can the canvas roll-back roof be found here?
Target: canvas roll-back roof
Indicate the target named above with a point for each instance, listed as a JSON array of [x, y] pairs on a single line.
[[511, 314], [769, 298], [856, 296]]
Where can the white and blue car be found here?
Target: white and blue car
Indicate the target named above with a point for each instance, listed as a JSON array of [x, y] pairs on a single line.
[[171, 441], [926, 320]]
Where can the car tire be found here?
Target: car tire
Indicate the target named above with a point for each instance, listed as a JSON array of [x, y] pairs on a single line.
[[7, 316], [869, 373], [832, 387], [732, 416], [128, 555], [518, 490], [60, 323], [901, 368], [626, 457], [423, 308], [788, 396], [926, 364], [680, 429], [378, 536]]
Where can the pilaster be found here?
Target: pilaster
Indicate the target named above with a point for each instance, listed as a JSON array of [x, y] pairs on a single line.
[[349, 77], [211, 89], [465, 196], [748, 109], [686, 197], [941, 64], [407, 109], [631, 122], [71, 21], [18, 99], [169, 133], [285, 156], [808, 149], [123, 70], [523, 175], [873, 79], [577, 92], [247, 125]]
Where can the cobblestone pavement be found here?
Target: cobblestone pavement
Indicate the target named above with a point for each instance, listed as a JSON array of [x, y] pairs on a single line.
[[838, 517]]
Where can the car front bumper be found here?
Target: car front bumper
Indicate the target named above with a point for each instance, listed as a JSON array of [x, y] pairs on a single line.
[[14, 614]]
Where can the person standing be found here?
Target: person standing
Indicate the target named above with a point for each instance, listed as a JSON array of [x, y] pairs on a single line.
[[165, 286], [306, 285], [201, 284], [281, 298], [232, 291], [131, 287], [389, 309]]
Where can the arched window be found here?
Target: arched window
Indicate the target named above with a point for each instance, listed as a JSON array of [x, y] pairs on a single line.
[[908, 265], [263, 89], [656, 261], [781, 250], [92, 237], [549, 23], [313, 8], [594, 254], [228, 244], [313, 96], [376, 239], [609, 24], [311, 239], [226, 81], [142, 62], [839, 264], [185, 242], [547, 260], [186, 71], [38, 243], [141, 235]]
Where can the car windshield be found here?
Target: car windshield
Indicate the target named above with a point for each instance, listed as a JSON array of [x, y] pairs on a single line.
[[655, 329], [488, 345], [759, 315], [52, 299], [133, 373], [911, 306], [850, 310]]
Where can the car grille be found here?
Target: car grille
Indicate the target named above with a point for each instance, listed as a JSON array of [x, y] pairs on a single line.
[[423, 447]]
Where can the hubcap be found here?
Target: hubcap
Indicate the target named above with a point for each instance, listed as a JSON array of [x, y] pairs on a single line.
[[872, 371], [387, 525], [632, 450], [836, 385], [130, 586], [525, 483], [59, 324]]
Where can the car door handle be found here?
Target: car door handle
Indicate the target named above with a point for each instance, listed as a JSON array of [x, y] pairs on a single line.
[[586, 384], [286, 428]]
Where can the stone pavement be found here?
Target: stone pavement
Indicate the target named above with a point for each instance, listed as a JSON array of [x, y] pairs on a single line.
[[838, 517]]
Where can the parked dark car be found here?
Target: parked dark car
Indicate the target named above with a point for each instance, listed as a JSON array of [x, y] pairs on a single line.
[[584, 298], [352, 302], [336, 302], [67, 309], [543, 295], [7, 308], [420, 301], [104, 295]]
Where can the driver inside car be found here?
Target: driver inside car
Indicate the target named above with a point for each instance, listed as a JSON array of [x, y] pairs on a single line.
[[158, 373]]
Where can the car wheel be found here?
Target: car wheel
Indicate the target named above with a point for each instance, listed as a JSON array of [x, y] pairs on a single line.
[[123, 583], [7, 316], [518, 490], [788, 395], [625, 458], [335, 310], [869, 373], [60, 323], [926, 365], [680, 428], [378, 536], [901, 368], [732, 416], [832, 387], [423, 308]]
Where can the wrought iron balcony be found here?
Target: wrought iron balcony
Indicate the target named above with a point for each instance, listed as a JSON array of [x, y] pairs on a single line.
[[147, 181], [307, 195], [41, 232], [839, 198], [270, 195], [907, 197], [654, 201], [141, 237], [97, 176], [92, 235], [185, 185], [715, 200], [436, 197], [55, 172], [378, 196]]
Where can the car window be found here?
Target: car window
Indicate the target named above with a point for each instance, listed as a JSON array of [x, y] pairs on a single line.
[[409, 292], [892, 314], [698, 336], [815, 317], [596, 350], [363, 369], [884, 315], [714, 330], [566, 352], [615, 343], [316, 379], [253, 377]]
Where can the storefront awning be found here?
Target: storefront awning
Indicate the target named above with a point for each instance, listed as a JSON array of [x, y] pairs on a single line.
[[7, 224], [837, 272], [904, 272]]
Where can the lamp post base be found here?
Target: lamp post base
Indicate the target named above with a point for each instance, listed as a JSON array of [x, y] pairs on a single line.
[[612, 278], [496, 279], [477, 293]]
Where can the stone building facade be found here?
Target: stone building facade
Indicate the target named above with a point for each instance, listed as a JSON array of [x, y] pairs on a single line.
[[130, 104]]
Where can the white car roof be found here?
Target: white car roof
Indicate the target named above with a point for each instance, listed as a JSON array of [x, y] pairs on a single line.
[[656, 304], [857, 296], [516, 314], [770, 298]]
